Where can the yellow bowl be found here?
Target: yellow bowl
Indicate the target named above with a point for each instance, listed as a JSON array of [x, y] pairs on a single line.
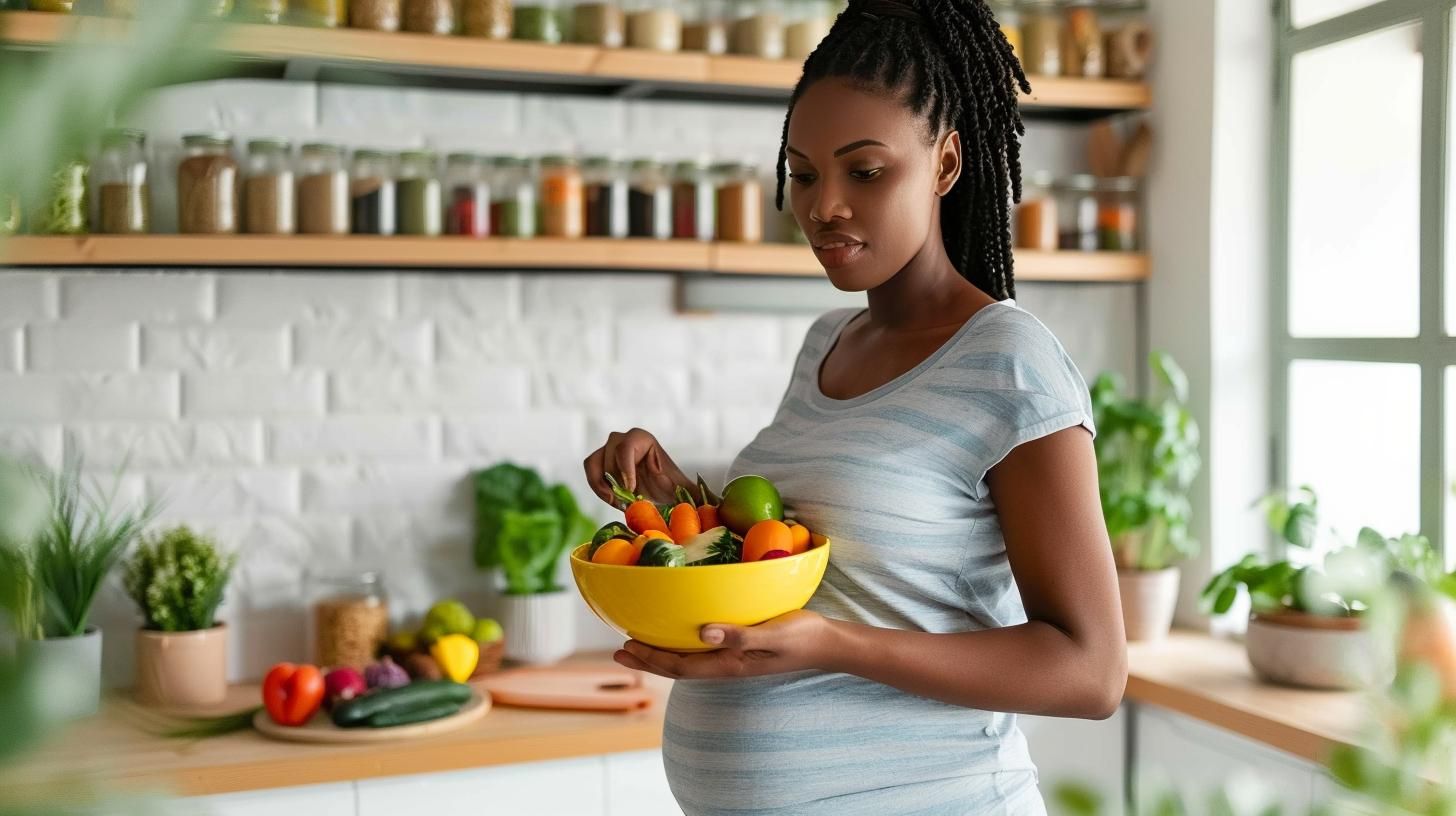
[[666, 606]]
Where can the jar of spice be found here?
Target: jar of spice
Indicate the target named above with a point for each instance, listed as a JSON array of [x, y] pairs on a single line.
[[429, 16], [376, 15], [538, 21], [207, 185], [1081, 42], [467, 191], [809, 22], [320, 13], [1041, 37], [758, 29], [1036, 215], [66, 205], [350, 617], [513, 199], [705, 27], [1117, 215], [492, 19], [121, 183], [563, 201], [372, 193], [268, 189], [655, 25], [270, 12], [1077, 213], [599, 23], [419, 194], [55, 6], [740, 203], [694, 202], [323, 190], [606, 185], [649, 201]]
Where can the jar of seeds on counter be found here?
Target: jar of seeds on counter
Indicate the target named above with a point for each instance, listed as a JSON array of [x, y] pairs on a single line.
[[269, 197], [121, 183], [348, 617]]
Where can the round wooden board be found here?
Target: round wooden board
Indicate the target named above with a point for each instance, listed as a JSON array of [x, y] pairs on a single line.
[[321, 729]]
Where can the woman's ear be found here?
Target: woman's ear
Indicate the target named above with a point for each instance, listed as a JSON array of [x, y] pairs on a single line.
[[948, 162]]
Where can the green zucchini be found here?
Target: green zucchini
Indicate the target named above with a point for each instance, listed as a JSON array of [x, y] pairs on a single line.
[[416, 695], [418, 714], [659, 553]]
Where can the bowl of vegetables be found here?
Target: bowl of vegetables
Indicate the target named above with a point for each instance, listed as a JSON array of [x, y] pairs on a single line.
[[664, 572]]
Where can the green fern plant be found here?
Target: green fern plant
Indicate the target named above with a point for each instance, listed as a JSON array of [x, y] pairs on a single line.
[[177, 579]]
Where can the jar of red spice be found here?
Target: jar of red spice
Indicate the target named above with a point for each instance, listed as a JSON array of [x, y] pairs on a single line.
[[694, 202], [467, 195]]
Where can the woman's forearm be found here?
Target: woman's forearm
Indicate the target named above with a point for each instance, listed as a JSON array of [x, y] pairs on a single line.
[[1033, 668]]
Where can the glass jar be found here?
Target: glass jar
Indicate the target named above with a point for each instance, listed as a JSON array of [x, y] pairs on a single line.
[[467, 191], [323, 190], [56, 6], [349, 617], [705, 27], [606, 188], [372, 193], [1082, 54], [1126, 50], [563, 201], [649, 201], [538, 21], [429, 16], [1077, 213], [758, 29], [320, 13], [1009, 19], [654, 25], [1117, 215], [740, 203], [492, 19], [419, 194], [1041, 38], [1036, 215], [376, 15], [9, 213], [513, 199], [599, 23], [216, 9], [268, 189], [694, 202], [269, 12], [66, 203], [121, 184], [207, 185], [809, 22]]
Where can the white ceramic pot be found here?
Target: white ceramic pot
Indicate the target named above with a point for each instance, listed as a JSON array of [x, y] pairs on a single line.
[[70, 670], [182, 669], [1309, 651], [540, 629], [1148, 600]]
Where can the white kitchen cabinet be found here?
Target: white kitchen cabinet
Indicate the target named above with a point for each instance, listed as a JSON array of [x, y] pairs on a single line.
[[1088, 753], [568, 787], [637, 785], [335, 799]]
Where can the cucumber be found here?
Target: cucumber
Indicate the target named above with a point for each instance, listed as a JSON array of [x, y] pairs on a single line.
[[416, 695], [418, 714]]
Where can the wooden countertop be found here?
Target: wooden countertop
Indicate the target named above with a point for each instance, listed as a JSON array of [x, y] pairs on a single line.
[[1196, 675]]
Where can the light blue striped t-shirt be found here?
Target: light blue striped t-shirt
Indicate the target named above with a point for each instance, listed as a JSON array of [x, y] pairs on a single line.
[[896, 478]]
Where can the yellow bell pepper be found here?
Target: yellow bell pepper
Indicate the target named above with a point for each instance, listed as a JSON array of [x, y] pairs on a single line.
[[457, 656]]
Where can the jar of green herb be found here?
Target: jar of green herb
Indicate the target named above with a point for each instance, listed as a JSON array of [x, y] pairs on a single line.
[[539, 21], [66, 202], [420, 201]]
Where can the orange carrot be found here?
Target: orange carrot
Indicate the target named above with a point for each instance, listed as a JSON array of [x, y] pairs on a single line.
[[707, 517], [800, 535], [618, 551], [683, 522], [643, 516]]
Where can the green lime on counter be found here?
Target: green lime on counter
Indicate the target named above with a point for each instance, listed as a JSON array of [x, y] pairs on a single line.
[[748, 500], [487, 630]]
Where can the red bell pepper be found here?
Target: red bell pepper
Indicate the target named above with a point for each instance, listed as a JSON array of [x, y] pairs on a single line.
[[293, 693]]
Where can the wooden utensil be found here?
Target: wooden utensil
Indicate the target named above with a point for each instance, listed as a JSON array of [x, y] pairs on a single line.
[[568, 687], [1135, 153], [1104, 149]]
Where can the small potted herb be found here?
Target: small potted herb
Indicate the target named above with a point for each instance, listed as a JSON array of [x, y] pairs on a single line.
[[177, 578], [1147, 458]]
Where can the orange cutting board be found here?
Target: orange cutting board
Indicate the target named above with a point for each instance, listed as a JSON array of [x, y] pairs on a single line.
[[576, 688]]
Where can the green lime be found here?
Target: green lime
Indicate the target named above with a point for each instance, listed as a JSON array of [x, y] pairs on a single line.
[[748, 500], [487, 630], [451, 618]]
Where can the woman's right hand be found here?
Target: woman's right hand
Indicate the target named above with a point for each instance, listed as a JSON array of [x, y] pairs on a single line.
[[640, 465]]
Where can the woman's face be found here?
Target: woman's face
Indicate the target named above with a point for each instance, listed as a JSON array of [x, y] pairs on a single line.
[[864, 181]]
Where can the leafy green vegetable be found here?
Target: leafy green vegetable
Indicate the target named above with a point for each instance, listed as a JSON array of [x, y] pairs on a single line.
[[524, 527], [177, 579]]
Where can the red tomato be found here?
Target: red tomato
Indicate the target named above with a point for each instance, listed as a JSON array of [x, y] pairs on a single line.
[[293, 693]]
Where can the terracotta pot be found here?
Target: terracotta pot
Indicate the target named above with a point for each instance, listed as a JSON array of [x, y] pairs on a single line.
[[1148, 600], [539, 629], [70, 669], [182, 669], [1311, 651]]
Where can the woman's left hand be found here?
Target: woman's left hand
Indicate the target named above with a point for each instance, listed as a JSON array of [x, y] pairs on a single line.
[[795, 641]]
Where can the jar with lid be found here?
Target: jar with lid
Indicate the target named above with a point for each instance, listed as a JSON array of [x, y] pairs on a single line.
[[563, 201], [372, 193], [320, 13], [55, 6], [655, 25], [649, 201], [268, 189], [348, 617], [270, 12], [467, 195], [599, 23], [323, 190], [419, 195], [1009, 19], [429, 16], [121, 183], [65, 206], [694, 201], [1127, 40], [375, 15], [705, 26], [1041, 38], [513, 199], [1036, 215], [809, 22], [207, 185], [539, 21], [740, 203], [1082, 45], [1077, 213], [758, 29], [492, 19], [606, 186], [1117, 215]]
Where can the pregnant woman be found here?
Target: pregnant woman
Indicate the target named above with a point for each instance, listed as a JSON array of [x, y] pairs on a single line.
[[942, 438]]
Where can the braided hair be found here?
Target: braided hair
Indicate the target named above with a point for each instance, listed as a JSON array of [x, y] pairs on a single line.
[[950, 63]]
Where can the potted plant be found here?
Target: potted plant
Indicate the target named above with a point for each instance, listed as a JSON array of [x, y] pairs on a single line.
[[1147, 458], [177, 579], [524, 527]]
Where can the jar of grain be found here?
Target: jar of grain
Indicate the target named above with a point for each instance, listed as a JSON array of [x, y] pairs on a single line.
[[429, 16], [740, 203], [1041, 38], [599, 23], [323, 190], [655, 25], [371, 193], [538, 21], [563, 201], [320, 13], [1082, 44], [809, 22], [758, 29], [376, 15], [269, 12], [121, 183], [467, 195], [420, 200], [492, 19], [268, 188], [705, 26], [649, 201], [207, 185], [694, 202], [513, 199], [1036, 215], [606, 197], [349, 617]]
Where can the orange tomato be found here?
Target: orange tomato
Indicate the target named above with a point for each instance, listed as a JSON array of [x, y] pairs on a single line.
[[618, 551], [765, 537], [800, 536], [641, 541]]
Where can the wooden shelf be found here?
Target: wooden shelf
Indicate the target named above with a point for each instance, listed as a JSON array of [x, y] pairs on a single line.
[[303, 251], [524, 62]]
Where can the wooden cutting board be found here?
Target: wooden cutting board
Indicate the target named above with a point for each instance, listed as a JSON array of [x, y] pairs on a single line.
[[321, 729], [569, 687]]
